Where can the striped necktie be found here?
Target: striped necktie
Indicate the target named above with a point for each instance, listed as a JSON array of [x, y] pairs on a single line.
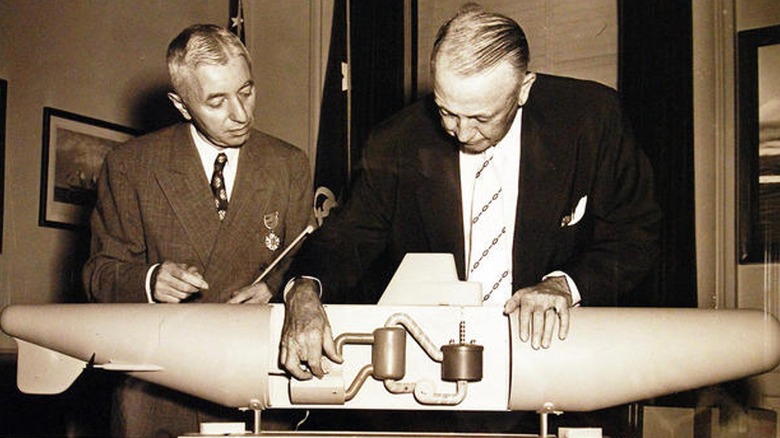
[[488, 264]]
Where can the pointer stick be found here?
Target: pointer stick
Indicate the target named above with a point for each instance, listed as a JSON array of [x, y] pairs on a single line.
[[309, 229]]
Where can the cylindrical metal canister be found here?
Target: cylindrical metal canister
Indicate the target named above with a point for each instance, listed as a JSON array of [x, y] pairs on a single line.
[[388, 354]]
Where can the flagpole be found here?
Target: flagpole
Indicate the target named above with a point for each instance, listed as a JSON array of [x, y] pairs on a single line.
[[348, 185]]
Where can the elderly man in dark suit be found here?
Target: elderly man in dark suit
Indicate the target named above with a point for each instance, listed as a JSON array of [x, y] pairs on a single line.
[[575, 220], [193, 213]]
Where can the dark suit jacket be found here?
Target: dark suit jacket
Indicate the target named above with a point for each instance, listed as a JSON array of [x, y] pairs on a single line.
[[575, 142], [155, 204]]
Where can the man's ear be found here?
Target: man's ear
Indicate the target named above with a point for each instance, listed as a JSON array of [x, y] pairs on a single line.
[[525, 88], [178, 102]]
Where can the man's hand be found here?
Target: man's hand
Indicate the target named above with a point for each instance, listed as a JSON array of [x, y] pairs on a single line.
[[175, 282], [253, 294], [540, 306], [306, 333]]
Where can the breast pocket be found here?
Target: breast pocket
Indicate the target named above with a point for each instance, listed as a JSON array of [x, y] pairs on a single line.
[[576, 214], [574, 228]]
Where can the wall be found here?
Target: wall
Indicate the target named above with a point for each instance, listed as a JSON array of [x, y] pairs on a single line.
[[722, 281], [758, 286], [565, 37], [285, 41], [99, 59]]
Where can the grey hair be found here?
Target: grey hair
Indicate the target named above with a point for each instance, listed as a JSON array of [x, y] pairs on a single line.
[[202, 44], [474, 40]]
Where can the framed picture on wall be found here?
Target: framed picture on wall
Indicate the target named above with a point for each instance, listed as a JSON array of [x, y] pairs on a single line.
[[3, 102], [74, 147], [758, 124]]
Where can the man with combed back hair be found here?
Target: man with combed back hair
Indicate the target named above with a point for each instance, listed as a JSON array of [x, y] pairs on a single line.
[[569, 217], [193, 213]]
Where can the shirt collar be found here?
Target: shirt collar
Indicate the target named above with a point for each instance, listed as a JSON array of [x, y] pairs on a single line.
[[208, 152]]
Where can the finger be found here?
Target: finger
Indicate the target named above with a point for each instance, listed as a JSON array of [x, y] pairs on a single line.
[[167, 294], [563, 329], [254, 294], [176, 293], [329, 347], [525, 323], [241, 296], [238, 298], [169, 282], [512, 304], [314, 359], [165, 298], [325, 364], [549, 323], [293, 366], [193, 278], [537, 329], [174, 287], [263, 296]]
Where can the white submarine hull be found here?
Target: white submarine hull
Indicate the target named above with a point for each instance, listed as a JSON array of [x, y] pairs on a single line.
[[228, 354]]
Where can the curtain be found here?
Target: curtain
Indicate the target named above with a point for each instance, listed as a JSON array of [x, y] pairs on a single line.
[[655, 79], [332, 172], [374, 71], [377, 32]]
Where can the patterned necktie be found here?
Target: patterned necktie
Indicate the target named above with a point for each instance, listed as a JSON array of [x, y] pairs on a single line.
[[487, 259], [218, 186]]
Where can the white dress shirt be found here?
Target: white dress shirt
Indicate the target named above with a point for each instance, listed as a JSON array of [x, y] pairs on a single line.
[[208, 154], [507, 161]]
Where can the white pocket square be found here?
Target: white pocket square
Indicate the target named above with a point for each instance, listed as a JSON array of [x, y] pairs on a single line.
[[576, 214]]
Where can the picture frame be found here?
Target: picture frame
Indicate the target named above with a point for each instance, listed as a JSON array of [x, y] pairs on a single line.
[[74, 147], [3, 110], [758, 157]]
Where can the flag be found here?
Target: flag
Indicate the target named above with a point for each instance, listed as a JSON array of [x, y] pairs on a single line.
[[332, 172], [237, 19]]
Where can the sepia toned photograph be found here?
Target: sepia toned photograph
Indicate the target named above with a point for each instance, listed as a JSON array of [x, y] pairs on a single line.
[[390, 218]]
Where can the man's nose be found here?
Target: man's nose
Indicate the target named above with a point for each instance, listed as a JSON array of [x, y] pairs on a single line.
[[465, 130], [238, 110]]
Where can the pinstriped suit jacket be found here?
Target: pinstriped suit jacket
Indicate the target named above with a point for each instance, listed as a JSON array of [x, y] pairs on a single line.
[[155, 204]]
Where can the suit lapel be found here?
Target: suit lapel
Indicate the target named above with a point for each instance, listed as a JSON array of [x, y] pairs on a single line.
[[439, 199], [545, 177], [253, 183], [182, 180], [251, 199]]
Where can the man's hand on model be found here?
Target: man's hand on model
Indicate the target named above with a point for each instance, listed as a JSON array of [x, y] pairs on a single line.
[[306, 334], [541, 307]]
